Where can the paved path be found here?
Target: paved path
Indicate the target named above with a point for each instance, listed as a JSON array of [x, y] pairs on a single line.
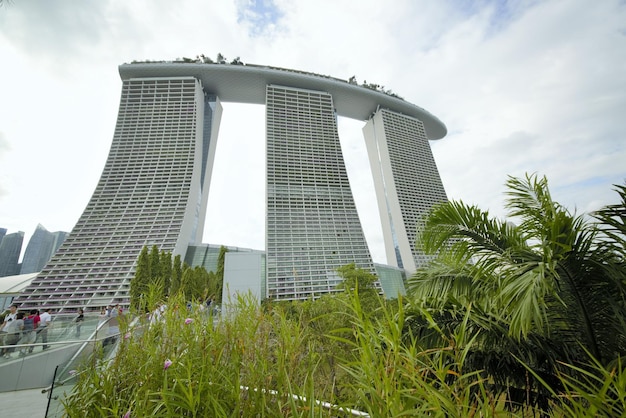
[[24, 403]]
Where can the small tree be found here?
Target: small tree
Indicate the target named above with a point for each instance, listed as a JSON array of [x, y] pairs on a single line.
[[212, 290], [139, 283], [187, 283], [219, 275], [361, 283], [177, 275], [155, 262], [201, 285], [166, 271]]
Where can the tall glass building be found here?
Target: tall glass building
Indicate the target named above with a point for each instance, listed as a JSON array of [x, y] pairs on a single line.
[[41, 246], [154, 186], [10, 250]]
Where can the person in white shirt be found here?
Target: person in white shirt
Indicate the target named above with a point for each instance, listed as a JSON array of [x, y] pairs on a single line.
[[8, 318], [45, 320]]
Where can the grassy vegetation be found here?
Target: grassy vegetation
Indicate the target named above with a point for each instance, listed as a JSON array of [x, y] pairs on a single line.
[[275, 361], [522, 319]]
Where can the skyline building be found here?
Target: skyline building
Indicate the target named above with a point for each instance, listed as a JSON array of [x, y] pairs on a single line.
[[40, 249], [59, 238], [10, 250], [154, 186]]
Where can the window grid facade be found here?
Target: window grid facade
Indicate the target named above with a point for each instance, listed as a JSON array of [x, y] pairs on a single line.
[[145, 196], [154, 186], [407, 182], [312, 225]]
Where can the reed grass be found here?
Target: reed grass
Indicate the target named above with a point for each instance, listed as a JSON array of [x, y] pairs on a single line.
[[326, 358]]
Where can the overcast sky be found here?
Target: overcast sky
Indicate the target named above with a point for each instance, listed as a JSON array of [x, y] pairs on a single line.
[[523, 87]]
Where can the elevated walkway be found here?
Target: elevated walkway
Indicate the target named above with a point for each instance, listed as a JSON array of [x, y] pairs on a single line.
[[44, 372]]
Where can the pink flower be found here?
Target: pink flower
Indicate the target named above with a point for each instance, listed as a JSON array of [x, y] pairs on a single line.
[[126, 415], [127, 335], [167, 364], [188, 321]]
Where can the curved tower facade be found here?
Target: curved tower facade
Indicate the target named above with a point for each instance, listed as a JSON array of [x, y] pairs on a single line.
[[153, 191], [155, 183]]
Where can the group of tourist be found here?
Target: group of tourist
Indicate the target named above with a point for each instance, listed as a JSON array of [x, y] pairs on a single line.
[[21, 328], [24, 329]]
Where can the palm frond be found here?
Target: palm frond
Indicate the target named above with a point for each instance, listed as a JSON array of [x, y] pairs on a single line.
[[461, 231]]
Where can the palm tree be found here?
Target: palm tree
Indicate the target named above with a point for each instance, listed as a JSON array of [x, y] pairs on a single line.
[[546, 289], [612, 230]]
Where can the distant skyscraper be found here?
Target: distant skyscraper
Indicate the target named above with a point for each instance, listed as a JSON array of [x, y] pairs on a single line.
[[38, 250], [3, 232], [10, 250], [41, 246], [154, 186], [59, 238], [406, 180]]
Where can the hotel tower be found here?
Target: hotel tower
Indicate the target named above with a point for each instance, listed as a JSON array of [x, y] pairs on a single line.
[[155, 183]]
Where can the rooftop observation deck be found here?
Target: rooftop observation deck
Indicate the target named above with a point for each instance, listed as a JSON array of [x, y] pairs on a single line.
[[246, 83]]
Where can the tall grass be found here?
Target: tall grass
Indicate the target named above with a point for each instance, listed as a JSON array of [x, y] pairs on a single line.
[[591, 390], [282, 361], [245, 364]]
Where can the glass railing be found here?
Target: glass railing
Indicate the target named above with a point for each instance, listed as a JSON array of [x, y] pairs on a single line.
[[65, 376], [58, 350], [62, 331], [103, 343]]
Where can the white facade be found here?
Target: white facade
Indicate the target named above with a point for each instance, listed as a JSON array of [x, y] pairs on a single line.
[[312, 225], [406, 180], [150, 193], [243, 276], [154, 186]]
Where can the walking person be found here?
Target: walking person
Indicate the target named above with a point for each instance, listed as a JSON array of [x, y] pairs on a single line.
[[114, 325], [8, 318], [29, 331], [45, 321], [13, 333], [79, 321]]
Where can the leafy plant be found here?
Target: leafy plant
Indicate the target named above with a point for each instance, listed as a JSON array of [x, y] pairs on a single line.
[[542, 289]]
